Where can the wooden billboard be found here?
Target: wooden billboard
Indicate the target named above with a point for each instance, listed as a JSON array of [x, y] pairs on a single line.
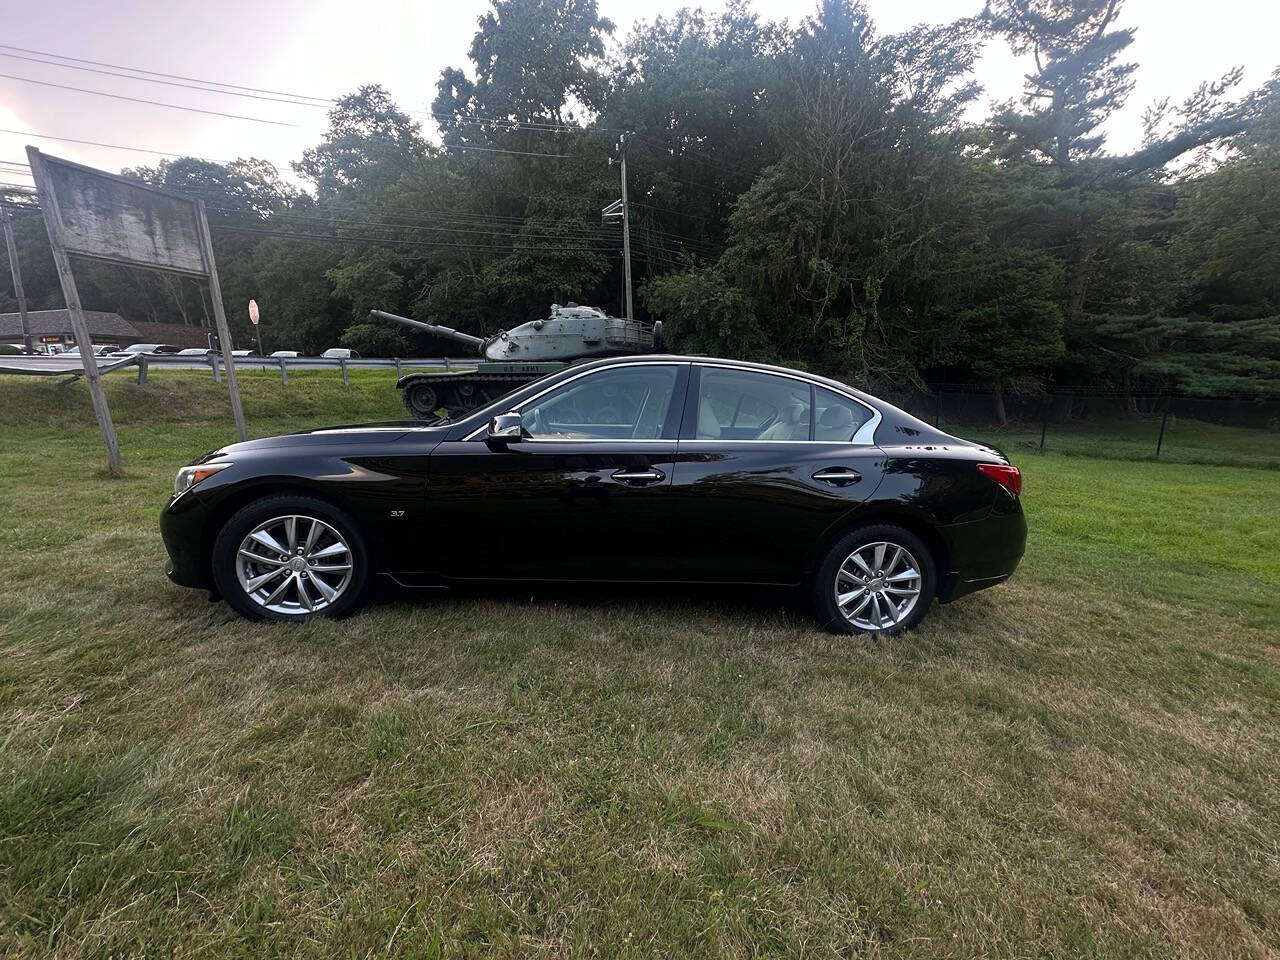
[[107, 217], [91, 213]]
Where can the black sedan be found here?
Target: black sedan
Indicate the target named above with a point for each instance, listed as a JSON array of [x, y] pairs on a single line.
[[640, 469]]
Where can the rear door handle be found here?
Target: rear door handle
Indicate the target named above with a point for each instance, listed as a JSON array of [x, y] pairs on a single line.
[[638, 476], [837, 476]]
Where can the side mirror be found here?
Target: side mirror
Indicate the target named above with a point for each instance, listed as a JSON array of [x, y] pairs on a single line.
[[506, 428]]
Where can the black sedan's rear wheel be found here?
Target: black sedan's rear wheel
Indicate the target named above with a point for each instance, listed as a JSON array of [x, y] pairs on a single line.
[[876, 579], [291, 558]]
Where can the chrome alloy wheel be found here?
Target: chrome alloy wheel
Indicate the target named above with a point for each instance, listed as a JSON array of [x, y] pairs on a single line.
[[878, 586], [294, 565]]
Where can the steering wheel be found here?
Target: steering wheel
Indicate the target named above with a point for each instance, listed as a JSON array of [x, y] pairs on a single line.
[[534, 425]]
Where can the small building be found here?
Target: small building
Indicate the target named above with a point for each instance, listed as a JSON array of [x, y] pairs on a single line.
[[52, 329]]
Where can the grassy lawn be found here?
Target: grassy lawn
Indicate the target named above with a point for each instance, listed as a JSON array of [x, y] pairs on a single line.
[[1080, 763]]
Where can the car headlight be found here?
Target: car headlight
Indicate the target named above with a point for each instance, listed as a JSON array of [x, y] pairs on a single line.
[[188, 477]]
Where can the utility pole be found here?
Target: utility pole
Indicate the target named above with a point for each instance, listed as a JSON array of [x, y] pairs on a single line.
[[621, 210], [623, 143], [15, 270]]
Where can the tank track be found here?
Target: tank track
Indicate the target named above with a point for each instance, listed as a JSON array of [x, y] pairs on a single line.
[[449, 390]]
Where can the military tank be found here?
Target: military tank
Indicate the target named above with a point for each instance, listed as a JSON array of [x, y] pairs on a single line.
[[513, 357]]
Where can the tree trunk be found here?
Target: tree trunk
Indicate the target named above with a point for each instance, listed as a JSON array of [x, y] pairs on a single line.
[[997, 399]]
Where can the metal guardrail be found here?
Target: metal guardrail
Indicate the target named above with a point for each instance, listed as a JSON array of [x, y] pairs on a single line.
[[215, 363], [70, 366], [63, 365]]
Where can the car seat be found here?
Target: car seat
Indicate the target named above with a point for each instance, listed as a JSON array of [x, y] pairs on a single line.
[[792, 424], [837, 422]]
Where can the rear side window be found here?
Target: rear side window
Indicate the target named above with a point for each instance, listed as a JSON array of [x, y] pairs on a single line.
[[746, 405], [838, 418]]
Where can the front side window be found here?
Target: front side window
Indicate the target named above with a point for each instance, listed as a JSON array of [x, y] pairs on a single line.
[[623, 403]]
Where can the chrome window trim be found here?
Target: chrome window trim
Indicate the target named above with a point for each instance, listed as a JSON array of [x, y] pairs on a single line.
[[474, 434], [864, 437]]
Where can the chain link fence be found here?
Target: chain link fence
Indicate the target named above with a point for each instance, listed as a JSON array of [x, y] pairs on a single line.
[[1231, 431]]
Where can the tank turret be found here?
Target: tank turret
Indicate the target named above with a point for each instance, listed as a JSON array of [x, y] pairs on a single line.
[[571, 332]]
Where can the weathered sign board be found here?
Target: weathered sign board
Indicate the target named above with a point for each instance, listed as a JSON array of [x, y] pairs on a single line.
[[110, 218], [91, 213]]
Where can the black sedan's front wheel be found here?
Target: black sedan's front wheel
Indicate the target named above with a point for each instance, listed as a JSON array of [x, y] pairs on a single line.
[[876, 579], [291, 558]]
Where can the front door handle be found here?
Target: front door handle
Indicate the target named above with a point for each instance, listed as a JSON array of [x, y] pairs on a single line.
[[837, 476], [638, 476]]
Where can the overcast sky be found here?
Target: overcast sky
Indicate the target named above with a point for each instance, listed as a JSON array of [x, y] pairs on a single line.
[[329, 47]]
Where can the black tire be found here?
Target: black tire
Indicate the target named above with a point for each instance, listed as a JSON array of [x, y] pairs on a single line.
[[823, 587], [227, 545]]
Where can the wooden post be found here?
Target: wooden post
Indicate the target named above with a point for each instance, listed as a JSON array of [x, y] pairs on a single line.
[[1163, 420], [284, 373], [213, 362], [397, 368], [15, 270], [62, 263], [1044, 422], [342, 364], [142, 370], [220, 321]]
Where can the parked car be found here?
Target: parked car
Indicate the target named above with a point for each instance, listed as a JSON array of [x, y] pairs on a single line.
[[197, 352], [99, 350], [649, 468], [340, 353], [242, 353], [284, 353], [159, 349]]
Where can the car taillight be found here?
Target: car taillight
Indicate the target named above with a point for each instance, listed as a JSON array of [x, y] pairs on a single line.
[[1008, 477]]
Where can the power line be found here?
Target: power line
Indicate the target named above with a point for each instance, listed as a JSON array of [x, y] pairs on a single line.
[[109, 146], [163, 153], [168, 83], [536, 232], [156, 73], [259, 93], [442, 245], [520, 153], [154, 103]]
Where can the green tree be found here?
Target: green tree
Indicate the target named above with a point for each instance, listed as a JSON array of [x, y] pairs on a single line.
[[703, 313], [374, 340], [370, 143], [535, 61]]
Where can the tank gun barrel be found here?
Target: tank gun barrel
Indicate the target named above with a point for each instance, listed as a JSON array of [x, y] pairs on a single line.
[[476, 342]]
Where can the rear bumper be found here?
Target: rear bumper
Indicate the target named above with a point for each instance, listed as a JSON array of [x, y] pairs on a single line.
[[984, 552]]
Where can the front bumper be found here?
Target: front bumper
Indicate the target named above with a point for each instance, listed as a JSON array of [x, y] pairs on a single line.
[[182, 529]]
